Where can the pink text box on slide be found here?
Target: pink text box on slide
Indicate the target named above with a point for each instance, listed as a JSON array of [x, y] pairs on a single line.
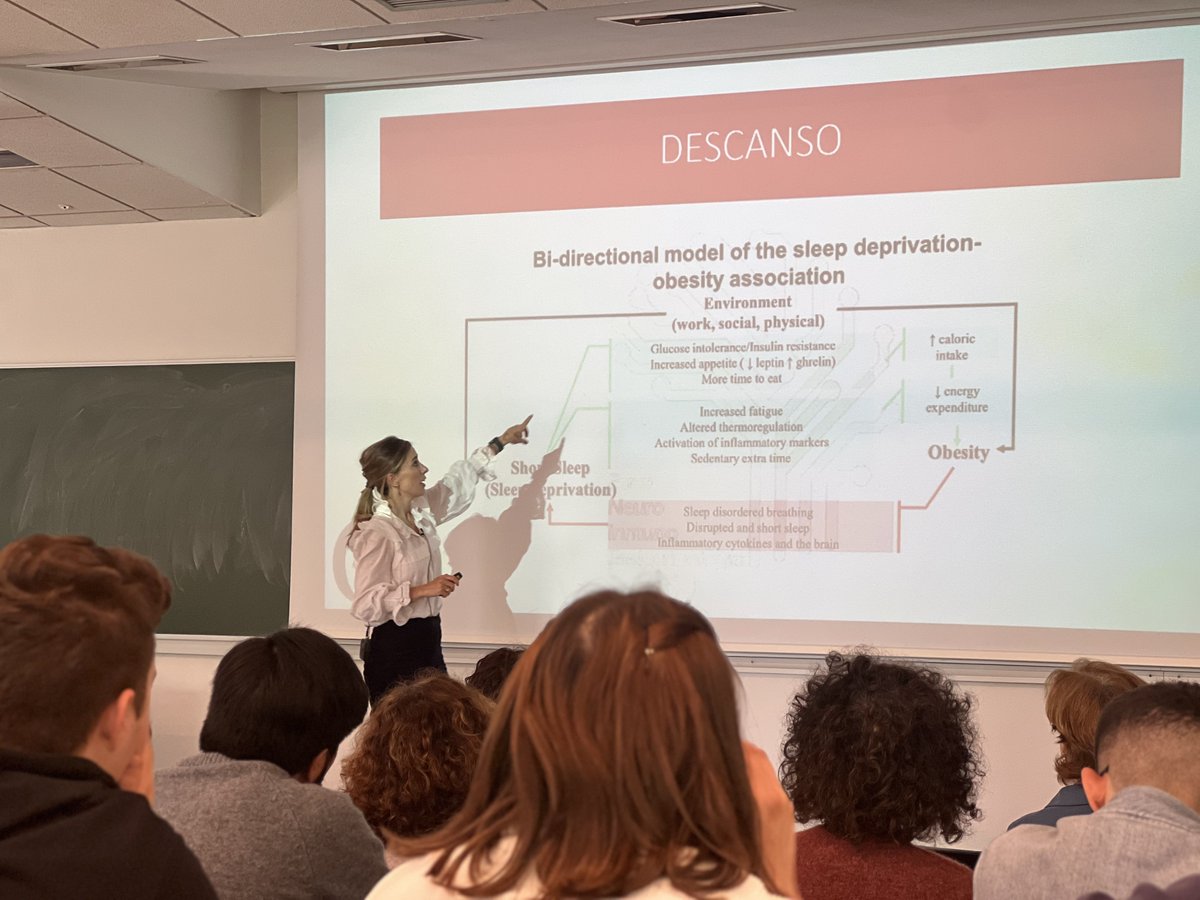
[[1051, 126], [854, 526]]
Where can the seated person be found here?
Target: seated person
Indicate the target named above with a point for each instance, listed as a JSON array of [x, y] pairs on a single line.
[[415, 755], [880, 754], [613, 767], [1074, 699], [492, 671], [76, 765], [1146, 797], [251, 804]]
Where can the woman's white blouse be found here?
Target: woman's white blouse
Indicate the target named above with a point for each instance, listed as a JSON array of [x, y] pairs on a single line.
[[390, 557]]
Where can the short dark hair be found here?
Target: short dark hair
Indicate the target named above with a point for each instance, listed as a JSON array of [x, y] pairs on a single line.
[[283, 699], [492, 671], [881, 749], [1164, 705], [415, 755], [1074, 699], [76, 629]]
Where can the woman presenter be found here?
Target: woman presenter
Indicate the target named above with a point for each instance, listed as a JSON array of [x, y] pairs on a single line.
[[398, 580]]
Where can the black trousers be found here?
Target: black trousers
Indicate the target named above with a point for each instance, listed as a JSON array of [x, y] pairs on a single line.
[[401, 652]]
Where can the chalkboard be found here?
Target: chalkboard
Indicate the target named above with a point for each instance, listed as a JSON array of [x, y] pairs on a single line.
[[190, 465]]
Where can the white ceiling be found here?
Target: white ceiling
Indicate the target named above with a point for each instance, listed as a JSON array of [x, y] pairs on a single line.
[[262, 44], [248, 44]]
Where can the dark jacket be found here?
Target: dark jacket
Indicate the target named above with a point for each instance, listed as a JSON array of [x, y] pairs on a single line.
[[67, 830], [1070, 801]]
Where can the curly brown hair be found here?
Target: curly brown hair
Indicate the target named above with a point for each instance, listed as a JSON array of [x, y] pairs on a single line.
[[416, 755], [882, 750], [493, 670]]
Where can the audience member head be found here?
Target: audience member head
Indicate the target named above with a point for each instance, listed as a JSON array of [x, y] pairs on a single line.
[[1148, 737], [415, 755], [613, 760], [493, 670], [881, 750], [77, 635], [1074, 699], [288, 698]]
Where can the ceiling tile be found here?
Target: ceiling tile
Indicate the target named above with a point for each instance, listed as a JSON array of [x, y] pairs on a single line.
[[285, 18], [5, 211], [20, 222], [198, 212], [11, 108], [141, 186], [23, 34], [49, 142], [36, 192], [127, 23], [97, 218]]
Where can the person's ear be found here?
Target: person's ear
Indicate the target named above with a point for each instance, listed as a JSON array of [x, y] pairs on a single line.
[[1095, 787], [117, 725], [114, 739], [315, 773]]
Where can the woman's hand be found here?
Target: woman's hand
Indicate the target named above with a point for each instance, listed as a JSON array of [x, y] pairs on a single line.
[[776, 822], [517, 434], [442, 586]]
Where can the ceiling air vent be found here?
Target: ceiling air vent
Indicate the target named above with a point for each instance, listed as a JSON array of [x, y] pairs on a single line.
[[10, 160], [104, 65], [403, 40], [402, 5], [679, 16]]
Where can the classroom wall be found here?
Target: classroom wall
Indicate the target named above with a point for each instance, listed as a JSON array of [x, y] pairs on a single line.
[[226, 289], [165, 291]]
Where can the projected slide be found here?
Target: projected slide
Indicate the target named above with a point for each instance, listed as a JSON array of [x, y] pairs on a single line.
[[903, 337]]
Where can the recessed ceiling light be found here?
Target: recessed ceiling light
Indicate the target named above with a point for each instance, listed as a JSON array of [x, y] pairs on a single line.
[[680, 16], [100, 65], [402, 40], [10, 160], [401, 5]]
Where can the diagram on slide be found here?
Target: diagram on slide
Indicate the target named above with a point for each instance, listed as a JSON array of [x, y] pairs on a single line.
[[782, 426]]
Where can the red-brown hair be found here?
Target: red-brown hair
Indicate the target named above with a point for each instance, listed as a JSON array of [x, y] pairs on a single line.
[[415, 755], [1075, 697], [614, 759], [77, 628]]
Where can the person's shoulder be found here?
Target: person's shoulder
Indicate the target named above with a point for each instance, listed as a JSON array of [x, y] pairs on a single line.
[[941, 876], [1013, 856], [322, 803], [161, 854], [751, 888], [209, 771], [1069, 801], [373, 533], [1024, 839], [373, 528], [329, 818], [411, 879]]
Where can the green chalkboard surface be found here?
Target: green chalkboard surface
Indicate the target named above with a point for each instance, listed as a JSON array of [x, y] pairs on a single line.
[[190, 465]]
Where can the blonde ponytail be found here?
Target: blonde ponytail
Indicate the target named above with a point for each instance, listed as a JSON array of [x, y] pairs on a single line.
[[365, 508]]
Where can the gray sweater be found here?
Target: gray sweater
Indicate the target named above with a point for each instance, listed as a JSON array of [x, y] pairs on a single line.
[[261, 834], [1141, 835]]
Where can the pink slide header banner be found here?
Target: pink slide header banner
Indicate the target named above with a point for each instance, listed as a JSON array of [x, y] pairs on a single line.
[[1075, 125]]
